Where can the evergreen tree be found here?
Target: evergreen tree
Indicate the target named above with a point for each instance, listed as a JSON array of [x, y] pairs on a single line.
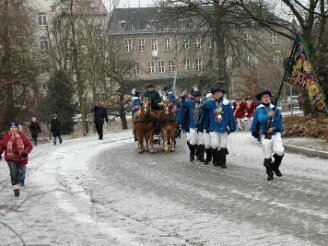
[[59, 100]]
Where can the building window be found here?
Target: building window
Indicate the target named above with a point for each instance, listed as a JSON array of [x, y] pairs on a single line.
[[186, 43], [252, 60], [167, 44], [154, 44], [151, 67], [42, 19], [273, 38], [142, 47], [198, 42], [275, 58], [199, 64], [247, 37], [187, 65], [43, 43], [171, 66], [128, 45], [136, 68], [161, 67]]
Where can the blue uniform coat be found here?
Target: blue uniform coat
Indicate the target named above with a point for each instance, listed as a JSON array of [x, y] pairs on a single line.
[[227, 123], [261, 118]]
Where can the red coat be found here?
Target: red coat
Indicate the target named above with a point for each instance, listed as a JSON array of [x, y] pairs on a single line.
[[239, 109], [16, 158], [250, 109]]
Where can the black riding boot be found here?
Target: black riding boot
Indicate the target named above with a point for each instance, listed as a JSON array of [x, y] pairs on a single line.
[[223, 157], [200, 153], [269, 168], [216, 157], [208, 156], [192, 152], [276, 164]]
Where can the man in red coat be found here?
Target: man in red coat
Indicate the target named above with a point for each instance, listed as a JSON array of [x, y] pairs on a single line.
[[16, 149], [239, 110], [250, 109]]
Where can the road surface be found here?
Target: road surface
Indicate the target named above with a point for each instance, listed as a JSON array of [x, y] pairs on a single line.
[[90, 192]]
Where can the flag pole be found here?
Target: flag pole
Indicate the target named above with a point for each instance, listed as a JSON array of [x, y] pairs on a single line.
[[269, 135]]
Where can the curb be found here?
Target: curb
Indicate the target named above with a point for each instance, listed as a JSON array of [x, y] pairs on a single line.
[[305, 151]]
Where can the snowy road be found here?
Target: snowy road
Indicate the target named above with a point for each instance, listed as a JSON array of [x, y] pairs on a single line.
[[87, 192]]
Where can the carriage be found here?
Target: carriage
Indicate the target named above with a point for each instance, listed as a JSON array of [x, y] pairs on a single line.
[[146, 120]]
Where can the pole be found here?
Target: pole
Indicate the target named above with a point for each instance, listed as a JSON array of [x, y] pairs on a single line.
[[269, 135]]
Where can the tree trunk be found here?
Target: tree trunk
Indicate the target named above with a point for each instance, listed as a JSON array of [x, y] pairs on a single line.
[[122, 112]]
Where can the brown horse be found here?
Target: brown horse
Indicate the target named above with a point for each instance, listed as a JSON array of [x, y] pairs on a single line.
[[169, 127], [144, 126]]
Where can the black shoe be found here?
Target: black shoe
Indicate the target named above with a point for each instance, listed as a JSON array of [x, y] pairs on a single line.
[[276, 164], [201, 154], [269, 168], [192, 152], [16, 192], [208, 156], [216, 160], [223, 157]]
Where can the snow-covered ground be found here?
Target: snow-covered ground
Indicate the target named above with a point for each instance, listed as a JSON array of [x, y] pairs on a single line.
[[91, 192]]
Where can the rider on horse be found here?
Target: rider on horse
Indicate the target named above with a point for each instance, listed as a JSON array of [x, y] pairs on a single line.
[[135, 101], [169, 94], [155, 97]]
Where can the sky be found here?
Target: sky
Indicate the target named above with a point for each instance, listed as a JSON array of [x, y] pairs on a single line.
[[130, 3]]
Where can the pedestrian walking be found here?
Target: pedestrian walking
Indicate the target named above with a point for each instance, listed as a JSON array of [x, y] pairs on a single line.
[[55, 127], [16, 148], [35, 129], [239, 109], [194, 113], [267, 125], [250, 109], [100, 116], [222, 122]]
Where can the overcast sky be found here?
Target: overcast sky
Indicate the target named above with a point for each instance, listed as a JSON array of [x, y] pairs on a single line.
[[130, 3]]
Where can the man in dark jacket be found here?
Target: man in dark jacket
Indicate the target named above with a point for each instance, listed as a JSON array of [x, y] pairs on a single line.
[[155, 97], [99, 118], [35, 130], [55, 128]]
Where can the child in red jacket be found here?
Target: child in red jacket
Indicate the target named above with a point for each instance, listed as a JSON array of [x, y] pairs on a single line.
[[16, 149]]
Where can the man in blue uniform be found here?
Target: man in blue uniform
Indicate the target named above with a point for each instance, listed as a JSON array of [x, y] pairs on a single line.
[[270, 135], [169, 94], [222, 123], [136, 102], [193, 115]]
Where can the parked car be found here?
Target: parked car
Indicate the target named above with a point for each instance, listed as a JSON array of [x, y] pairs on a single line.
[[293, 101]]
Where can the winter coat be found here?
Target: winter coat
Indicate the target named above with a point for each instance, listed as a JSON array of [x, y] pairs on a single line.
[[250, 109], [35, 128], [194, 113], [154, 95], [204, 121], [16, 157], [100, 114], [239, 109], [261, 118], [170, 96], [227, 123], [55, 125], [135, 104]]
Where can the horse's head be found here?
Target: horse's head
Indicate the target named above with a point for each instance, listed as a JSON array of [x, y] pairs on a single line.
[[146, 105], [167, 108]]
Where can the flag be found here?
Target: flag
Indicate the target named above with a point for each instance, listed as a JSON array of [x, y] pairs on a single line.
[[301, 72]]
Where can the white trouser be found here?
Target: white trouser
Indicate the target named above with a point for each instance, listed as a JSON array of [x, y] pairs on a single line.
[[219, 140], [249, 123], [204, 139], [240, 124], [192, 136], [272, 145]]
